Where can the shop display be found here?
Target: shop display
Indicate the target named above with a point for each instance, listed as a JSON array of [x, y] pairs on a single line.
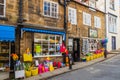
[[46, 44], [4, 56], [92, 49]]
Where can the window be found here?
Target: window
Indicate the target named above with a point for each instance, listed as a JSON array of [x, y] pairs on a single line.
[[92, 3], [50, 9], [47, 45], [72, 15], [112, 23], [2, 8], [86, 19], [97, 22], [112, 4]]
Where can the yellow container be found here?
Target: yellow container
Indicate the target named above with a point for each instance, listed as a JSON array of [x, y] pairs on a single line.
[[27, 73], [88, 58], [34, 72], [27, 57], [102, 53], [91, 57], [94, 56], [97, 55]]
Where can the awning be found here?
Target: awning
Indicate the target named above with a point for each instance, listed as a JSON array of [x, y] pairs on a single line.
[[7, 33], [44, 31]]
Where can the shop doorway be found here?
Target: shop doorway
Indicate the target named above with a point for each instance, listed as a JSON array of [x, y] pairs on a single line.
[[76, 49], [113, 42]]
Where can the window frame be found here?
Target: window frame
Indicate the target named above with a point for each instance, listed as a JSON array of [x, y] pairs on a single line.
[[112, 5], [51, 9], [4, 11], [97, 22], [85, 19], [47, 40], [112, 26], [91, 1], [75, 16]]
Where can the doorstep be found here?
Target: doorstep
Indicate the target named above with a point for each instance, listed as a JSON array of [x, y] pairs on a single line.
[[59, 71]]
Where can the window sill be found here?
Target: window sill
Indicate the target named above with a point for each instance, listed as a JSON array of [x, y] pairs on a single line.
[[47, 56], [4, 18]]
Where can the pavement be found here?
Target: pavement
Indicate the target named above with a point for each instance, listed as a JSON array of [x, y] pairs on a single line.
[[78, 65]]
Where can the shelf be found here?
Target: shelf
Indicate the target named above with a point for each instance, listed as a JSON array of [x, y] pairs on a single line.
[[47, 56], [4, 61]]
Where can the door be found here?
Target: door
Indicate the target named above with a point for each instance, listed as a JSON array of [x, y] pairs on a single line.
[[113, 42], [76, 49]]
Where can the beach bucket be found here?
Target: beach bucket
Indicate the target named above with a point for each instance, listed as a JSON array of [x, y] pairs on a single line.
[[34, 71], [27, 73]]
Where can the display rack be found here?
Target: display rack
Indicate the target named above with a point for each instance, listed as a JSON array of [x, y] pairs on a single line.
[[4, 55]]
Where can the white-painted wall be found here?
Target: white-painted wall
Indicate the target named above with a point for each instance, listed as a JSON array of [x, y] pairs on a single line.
[[101, 6]]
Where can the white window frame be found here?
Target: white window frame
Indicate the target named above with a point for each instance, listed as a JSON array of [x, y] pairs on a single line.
[[51, 9], [86, 19], [112, 23], [72, 18], [92, 3], [97, 22], [112, 5], [4, 11]]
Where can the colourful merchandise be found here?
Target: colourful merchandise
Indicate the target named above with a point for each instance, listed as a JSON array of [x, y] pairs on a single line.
[[14, 56]]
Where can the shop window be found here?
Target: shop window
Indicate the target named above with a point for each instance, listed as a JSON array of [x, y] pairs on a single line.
[[2, 8], [89, 45], [50, 9], [92, 44], [47, 45], [86, 19], [72, 16], [97, 22]]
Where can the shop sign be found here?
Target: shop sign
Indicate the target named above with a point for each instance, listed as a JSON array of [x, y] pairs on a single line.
[[93, 33]]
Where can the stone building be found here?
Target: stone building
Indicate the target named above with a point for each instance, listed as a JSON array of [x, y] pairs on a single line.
[[43, 27], [87, 26], [8, 21]]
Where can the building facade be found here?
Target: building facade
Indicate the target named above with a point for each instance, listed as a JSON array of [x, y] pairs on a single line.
[[8, 20], [87, 27], [112, 24]]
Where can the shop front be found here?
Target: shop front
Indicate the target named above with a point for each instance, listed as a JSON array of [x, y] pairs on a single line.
[[91, 46], [44, 46], [7, 38]]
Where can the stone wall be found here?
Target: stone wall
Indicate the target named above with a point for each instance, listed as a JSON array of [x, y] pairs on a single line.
[[33, 14], [81, 30], [11, 12]]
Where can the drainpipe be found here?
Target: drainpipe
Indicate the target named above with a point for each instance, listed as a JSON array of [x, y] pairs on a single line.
[[65, 19], [18, 29]]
